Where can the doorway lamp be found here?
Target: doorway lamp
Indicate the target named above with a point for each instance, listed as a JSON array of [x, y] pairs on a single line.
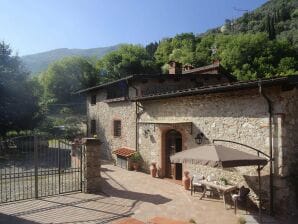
[[199, 138]]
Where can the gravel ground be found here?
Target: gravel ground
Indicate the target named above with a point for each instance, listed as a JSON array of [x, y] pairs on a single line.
[[17, 173], [48, 184]]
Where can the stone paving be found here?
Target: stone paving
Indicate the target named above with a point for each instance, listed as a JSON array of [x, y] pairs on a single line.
[[159, 197], [125, 194]]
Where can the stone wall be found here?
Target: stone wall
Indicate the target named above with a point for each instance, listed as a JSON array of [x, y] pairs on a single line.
[[288, 123], [104, 113], [239, 116], [91, 166]]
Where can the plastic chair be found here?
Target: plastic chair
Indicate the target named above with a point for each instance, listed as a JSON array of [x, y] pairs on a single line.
[[196, 184], [242, 196]]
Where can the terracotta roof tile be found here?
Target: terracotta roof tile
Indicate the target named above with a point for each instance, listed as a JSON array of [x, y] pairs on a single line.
[[124, 151]]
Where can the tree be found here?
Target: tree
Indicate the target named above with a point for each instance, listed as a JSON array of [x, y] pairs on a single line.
[[64, 77], [251, 56], [19, 95], [127, 60], [203, 52], [181, 48], [163, 51], [151, 48]]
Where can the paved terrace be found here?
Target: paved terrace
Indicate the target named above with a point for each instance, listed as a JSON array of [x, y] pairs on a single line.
[[125, 193]]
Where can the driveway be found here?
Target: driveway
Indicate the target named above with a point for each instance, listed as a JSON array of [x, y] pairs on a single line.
[[124, 193], [160, 197]]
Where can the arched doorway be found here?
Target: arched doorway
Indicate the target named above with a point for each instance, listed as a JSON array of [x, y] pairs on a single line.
[[173, 145]]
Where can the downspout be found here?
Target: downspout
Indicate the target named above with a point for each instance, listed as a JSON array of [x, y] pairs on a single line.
[[270, 111], [137, 119]]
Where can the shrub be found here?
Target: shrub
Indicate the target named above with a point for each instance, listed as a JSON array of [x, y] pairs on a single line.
[[136, 157], [12, 134], [241, 220], [66, 110]]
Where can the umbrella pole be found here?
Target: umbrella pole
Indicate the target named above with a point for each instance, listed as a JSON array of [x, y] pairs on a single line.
[[260, 197]]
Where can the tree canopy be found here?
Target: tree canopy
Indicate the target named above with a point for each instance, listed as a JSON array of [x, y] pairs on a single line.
[[19, 95], [64, 77], [247, 56], [128, 59]]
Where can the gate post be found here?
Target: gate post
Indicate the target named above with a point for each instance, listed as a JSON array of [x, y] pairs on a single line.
[[35, 166], [91, 165]]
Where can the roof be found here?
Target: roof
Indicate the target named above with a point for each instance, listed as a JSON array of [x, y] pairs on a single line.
[[226, 87], [214, 66], [124, 151], [143, 76], [104, 85], [165, 122]]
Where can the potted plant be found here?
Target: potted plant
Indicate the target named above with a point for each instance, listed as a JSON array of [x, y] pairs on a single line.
[[136, 159], [224, 181]]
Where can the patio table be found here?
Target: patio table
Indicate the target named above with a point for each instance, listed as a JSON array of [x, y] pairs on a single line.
[[223, 189]]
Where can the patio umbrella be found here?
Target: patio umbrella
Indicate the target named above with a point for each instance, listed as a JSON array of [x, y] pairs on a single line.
[[222, 157], [217, 156]]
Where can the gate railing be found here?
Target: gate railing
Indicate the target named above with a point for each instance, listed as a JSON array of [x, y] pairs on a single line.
[[32, 167]]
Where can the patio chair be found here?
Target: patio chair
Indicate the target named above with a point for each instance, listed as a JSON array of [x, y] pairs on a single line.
[[242, 196], [196, 184]]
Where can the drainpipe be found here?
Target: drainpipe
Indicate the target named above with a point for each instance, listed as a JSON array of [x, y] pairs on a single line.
[[270, 111], [137, 119]]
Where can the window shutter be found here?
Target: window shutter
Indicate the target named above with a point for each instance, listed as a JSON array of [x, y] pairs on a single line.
[[93, 127], [93, 99], [117, 128]]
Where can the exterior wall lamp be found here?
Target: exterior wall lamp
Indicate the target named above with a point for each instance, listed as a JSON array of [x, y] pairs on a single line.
[[199, 138], [147, 132]]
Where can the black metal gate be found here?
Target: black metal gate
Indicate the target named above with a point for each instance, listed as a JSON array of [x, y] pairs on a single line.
[[33, 167]]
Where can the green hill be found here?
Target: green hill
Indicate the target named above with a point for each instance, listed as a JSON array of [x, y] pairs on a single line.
[[38, 62], [279, 18]]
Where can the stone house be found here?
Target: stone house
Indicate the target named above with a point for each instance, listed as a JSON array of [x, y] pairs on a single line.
[[159, 115]]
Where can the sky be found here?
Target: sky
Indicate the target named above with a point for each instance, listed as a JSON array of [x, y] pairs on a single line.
[[32, 26]]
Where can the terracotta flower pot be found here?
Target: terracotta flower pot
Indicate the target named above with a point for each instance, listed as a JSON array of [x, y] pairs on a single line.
[[136, 166], [186, 180], [153, 169]]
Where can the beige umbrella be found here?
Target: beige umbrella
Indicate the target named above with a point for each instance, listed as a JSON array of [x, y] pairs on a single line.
[[217, 156], [222, 157]]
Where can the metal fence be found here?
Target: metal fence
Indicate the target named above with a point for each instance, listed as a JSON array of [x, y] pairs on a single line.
[[33, 167]]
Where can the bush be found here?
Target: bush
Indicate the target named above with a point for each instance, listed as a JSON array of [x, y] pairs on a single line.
[[72, 132], [136, 157], [12, 134], [66, 110], [241, 220]]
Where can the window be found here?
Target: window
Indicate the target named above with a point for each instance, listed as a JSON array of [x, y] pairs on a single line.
[[117, 90], [93, 127], [117, 128], [93, 99]]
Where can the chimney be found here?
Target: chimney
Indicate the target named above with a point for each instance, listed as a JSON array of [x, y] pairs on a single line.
[[175, 67], [216, 62], [187, 67]]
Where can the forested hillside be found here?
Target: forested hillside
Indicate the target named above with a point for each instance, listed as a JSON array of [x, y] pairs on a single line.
[[36, 63], [278, 18], [261, 43]]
